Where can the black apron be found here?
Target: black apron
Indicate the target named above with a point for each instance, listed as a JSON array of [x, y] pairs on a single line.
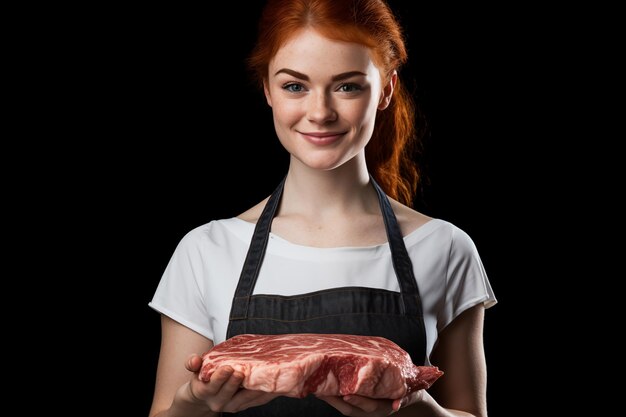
[[351, 310]]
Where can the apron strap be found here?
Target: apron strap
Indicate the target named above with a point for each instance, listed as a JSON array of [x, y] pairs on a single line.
[[402, 264], [255, 255]]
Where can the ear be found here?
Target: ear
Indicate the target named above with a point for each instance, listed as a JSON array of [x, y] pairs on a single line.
[[385, 97], [266, 90]]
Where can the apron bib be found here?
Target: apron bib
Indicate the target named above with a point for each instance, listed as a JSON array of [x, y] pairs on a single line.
[[350, 310]]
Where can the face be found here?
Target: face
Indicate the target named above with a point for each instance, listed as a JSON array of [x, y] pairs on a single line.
[[324, 96]]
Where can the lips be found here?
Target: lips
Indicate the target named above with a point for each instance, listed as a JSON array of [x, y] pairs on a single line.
[[322, 138]]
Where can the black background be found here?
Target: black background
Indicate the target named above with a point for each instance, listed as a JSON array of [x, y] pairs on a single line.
[[182, 137]]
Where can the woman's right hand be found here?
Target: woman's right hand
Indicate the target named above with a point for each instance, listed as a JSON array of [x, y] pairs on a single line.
[[223, 392]]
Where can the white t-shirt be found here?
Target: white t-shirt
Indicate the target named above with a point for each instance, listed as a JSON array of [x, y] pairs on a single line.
[[199, 282]]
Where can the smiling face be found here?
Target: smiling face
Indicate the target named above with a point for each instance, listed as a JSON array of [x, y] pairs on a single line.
[[324, 95]]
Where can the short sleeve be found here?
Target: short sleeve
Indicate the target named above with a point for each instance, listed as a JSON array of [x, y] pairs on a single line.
[[179, 293], [466, 280]]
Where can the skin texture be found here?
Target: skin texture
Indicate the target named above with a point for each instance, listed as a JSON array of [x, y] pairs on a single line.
[[319, 104], [327, 202]]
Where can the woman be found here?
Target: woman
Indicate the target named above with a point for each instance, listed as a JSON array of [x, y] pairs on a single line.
[[336, 236]]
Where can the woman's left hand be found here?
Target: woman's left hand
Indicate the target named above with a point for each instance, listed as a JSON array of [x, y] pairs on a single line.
[[355, 405]]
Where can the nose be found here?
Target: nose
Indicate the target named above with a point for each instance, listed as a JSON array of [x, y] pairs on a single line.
[[320, 108]]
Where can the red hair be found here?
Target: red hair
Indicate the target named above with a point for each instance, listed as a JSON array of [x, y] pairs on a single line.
[[389, 153]]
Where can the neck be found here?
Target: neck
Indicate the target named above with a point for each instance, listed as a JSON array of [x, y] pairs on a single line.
[[322, 194]]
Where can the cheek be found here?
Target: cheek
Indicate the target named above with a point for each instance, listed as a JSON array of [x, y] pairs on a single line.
[[359, 111], [286, 111]]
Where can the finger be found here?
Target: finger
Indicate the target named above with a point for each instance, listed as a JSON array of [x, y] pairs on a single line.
[[219, 389], [370, 405], [396, 405], [245, 399], [230, 387], [366, 404], [339, 404], [218, 379], [194, 363]]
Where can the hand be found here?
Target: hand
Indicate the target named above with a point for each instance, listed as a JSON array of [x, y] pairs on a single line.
[[357, 406], [223, 392]]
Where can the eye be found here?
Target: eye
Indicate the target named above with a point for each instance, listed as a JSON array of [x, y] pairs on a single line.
[[293, 87], [349, 88]]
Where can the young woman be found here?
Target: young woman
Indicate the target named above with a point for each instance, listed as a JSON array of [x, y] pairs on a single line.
[[336, 248]]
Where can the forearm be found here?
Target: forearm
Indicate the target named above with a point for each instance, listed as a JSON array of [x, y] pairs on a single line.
[[177, 410], [186, 411], [428, 407], [185, 405]]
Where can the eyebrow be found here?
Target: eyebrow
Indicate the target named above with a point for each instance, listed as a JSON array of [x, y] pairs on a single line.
[[305, 77]]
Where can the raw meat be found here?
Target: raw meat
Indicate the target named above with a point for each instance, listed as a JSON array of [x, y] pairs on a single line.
[[296, 365]]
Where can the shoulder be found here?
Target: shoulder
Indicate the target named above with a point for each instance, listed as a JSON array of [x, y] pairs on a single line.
[[409, 220], [451, 241], [252, 214], [460, 242], [448, 234], [214, 233]]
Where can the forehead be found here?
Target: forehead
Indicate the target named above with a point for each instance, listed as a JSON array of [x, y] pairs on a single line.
[[310, 52]]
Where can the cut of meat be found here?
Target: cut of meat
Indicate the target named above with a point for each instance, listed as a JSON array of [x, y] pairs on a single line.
[[296, 365]]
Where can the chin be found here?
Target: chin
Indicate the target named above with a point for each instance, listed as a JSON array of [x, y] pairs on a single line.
[[322, 164]]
